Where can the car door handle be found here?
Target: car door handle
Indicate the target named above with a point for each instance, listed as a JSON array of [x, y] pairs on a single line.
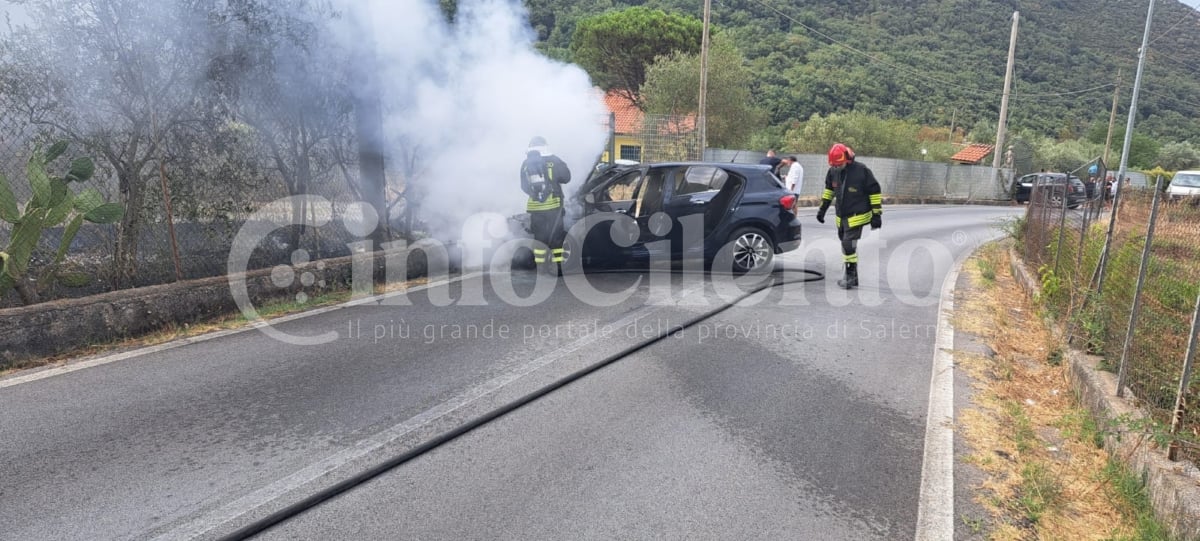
[[699, 203]]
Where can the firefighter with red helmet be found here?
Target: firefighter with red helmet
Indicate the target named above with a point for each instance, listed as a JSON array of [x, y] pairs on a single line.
[[858, 203]]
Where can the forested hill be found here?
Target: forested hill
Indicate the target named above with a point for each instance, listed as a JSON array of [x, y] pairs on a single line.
[[942, 61]]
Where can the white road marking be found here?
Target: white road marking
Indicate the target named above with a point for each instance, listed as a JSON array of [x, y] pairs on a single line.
[[935, 509], [205, 524], [106, 359]]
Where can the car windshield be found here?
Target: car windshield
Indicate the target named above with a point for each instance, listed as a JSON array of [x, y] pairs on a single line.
[[1186, 180]]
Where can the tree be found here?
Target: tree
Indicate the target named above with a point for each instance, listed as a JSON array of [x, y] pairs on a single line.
[[118, 76], [299, 114], [1177, 156], [866, 134], [616, 47], [673, 85]]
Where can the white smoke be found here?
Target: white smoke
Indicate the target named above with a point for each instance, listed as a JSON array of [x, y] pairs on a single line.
[[467, 96]]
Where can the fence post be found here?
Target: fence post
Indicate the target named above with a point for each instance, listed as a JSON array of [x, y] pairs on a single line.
[[1184, 379], [1062, 226], [1102, 270], [1137, 292]]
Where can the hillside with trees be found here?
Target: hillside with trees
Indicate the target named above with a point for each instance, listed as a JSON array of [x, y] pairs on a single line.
[[940, 64]]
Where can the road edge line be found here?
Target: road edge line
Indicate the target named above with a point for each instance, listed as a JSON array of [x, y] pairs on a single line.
[[935, 507]]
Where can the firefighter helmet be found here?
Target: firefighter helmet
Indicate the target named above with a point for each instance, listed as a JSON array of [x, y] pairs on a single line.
[[840, 155]]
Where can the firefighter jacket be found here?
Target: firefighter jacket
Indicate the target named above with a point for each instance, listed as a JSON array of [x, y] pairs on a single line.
[[857, 194], [542, 177]]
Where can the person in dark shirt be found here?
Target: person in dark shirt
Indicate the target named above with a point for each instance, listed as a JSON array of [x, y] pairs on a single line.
[[771, 160]]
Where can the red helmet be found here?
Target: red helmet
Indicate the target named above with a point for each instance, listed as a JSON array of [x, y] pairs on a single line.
[[839, 155]]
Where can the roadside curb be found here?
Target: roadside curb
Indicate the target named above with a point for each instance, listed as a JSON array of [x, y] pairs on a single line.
[[1173, 487], [62, 326]]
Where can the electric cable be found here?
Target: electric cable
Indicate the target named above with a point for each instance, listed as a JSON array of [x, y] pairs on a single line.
[[321, 496]]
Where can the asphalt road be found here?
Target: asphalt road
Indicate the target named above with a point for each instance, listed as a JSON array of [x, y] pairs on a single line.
[[797, 413]]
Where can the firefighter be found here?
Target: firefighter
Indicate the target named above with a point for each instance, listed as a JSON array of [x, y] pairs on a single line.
[[542, 177], [859, 203]]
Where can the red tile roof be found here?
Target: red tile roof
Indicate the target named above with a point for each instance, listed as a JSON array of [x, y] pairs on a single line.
[[628, 116], [974, 153]]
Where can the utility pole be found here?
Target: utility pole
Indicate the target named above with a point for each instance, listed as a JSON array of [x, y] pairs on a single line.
[[1112, 118], [1137, 85], [703, 120], [1002, 125], [953, 118], [368, 123]]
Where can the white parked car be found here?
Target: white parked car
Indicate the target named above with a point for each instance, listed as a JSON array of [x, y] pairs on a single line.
[[1184, 184]]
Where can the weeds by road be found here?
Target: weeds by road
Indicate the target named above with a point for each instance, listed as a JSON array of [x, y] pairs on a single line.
[[1045, 474]]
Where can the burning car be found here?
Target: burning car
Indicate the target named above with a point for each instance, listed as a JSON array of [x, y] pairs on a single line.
[[736, 214]]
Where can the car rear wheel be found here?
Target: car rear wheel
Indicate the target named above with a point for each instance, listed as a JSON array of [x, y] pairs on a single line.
[[749, 249]]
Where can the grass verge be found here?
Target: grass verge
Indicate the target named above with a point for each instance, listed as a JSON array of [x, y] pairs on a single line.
[[1045, 475]]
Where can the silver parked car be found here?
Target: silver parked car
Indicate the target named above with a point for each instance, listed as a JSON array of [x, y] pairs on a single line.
[[1184, 184]]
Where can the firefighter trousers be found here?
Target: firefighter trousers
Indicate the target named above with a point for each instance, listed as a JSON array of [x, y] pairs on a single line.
[[547, 226]]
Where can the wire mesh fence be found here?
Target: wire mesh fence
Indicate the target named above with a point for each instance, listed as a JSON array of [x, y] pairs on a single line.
[[1126, 283], [185, 208]]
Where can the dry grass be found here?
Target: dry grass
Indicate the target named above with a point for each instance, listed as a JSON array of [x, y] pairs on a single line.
[[1044, 472]]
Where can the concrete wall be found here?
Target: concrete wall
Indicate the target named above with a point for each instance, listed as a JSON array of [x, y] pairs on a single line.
[[902, 179], [58, 327]]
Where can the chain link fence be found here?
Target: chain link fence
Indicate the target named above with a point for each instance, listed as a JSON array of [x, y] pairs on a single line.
[[1127, 286], [192, 207]]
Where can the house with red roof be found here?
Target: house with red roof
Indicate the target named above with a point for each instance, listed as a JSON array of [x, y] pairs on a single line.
[[973, 154], [632, 135]]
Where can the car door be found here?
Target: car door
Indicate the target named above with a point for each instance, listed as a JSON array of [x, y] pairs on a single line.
[[689, 201], [618, 195]]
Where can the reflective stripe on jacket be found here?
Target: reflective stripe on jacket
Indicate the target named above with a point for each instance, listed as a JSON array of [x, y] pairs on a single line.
[[856, 193]]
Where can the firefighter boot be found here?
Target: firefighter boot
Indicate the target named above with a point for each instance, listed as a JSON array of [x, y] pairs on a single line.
[[850, 281]]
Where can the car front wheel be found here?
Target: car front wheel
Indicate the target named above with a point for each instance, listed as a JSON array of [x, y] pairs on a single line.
[[749, 249]]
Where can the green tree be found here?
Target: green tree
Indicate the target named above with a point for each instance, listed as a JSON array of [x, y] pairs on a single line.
[[1064, 156], [868, 135], [616, 47], [1176, 156], [673, 83]]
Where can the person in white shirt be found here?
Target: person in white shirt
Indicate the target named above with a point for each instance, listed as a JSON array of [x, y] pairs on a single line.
[[795, 175]]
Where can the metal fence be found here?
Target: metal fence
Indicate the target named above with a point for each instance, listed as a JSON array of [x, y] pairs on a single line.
[[897, 178], [208, 206], [1127, 286]]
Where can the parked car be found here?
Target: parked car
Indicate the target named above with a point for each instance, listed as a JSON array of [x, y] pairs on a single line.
[[1185, 184], [739, 214], [1057, 186]]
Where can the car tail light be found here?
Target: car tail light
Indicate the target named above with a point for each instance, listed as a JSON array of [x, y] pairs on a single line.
[[788, 201]]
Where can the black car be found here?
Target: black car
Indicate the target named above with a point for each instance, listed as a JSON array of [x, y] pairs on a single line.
[[1057, 186], [737, 214]]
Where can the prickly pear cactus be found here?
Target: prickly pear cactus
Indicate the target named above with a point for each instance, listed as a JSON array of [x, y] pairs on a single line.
[[53, 204]]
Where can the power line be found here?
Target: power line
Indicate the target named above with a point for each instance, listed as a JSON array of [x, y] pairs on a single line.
[[917, 74], [1173, 98], [1190, 14]]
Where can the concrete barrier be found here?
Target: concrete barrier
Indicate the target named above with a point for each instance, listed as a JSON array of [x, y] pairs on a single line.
[[1173, 487], [59, 327]]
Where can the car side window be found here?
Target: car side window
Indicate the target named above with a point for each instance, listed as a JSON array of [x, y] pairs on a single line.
[[624, 188], [700, 179]]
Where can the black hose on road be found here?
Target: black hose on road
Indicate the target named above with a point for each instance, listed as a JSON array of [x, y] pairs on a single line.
[[261, 525]]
